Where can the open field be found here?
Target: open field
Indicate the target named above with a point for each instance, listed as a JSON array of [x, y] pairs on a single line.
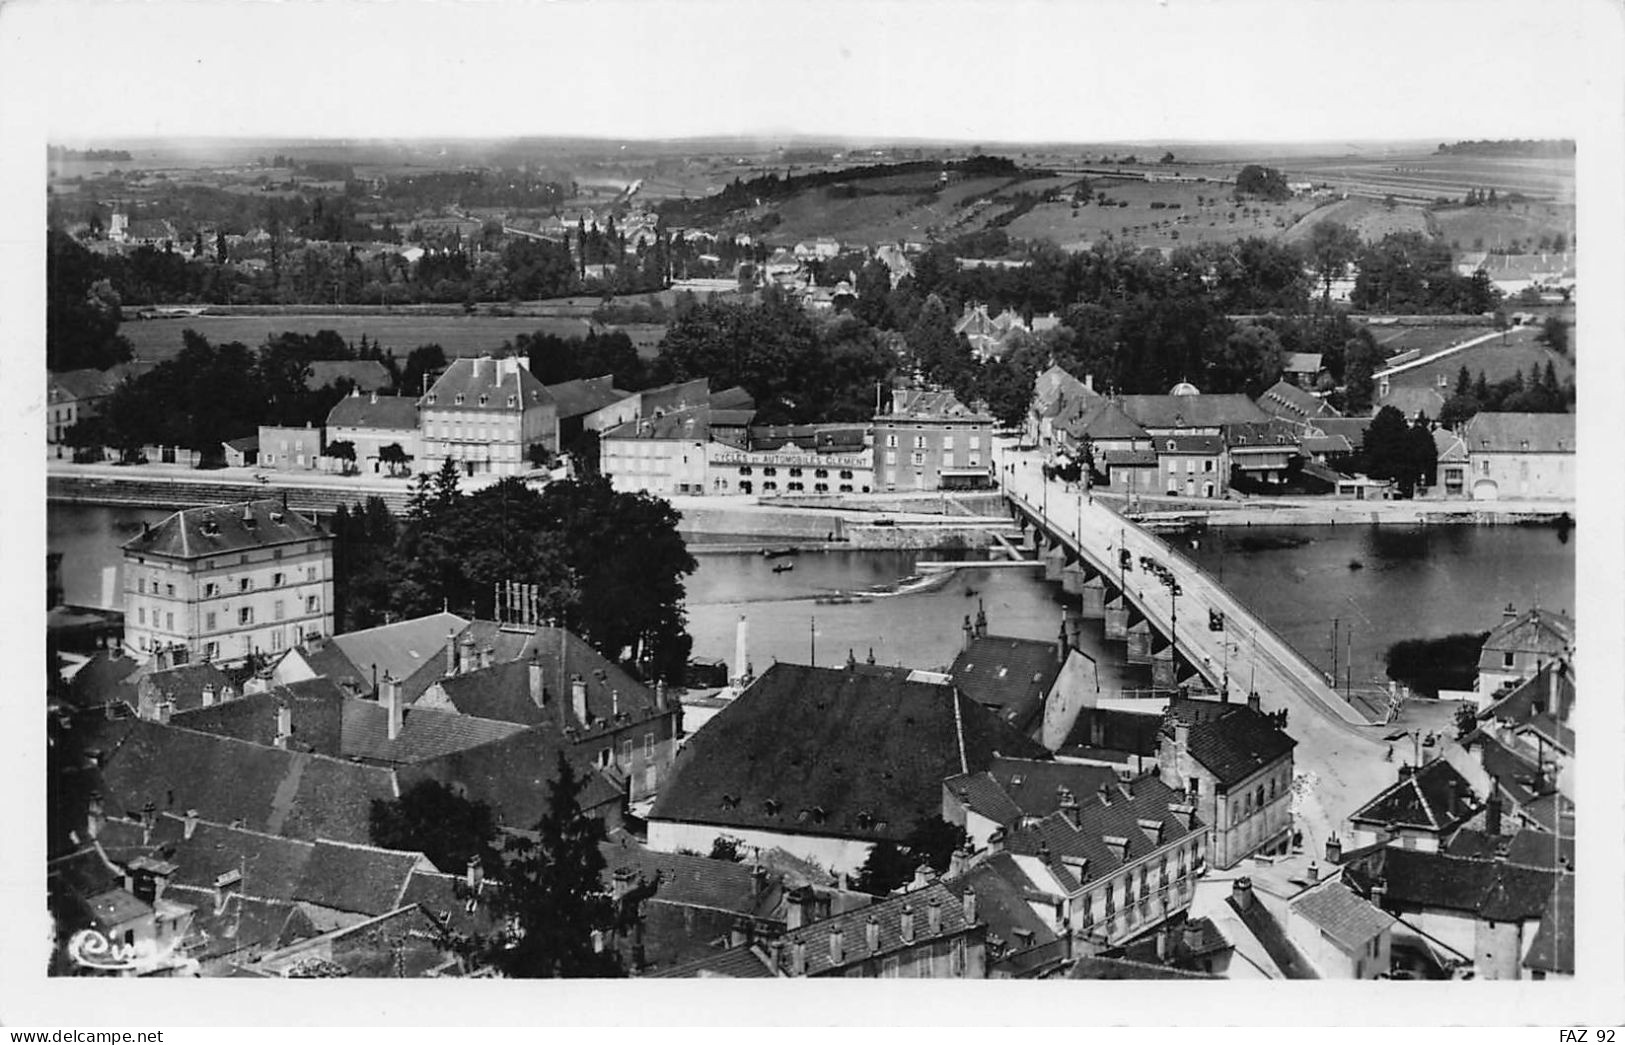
[[1369, 218], [902, 212], [158, 339], [1498, 358], [1425, 340], [1427, 176], [1204, 214], [1484, 228]]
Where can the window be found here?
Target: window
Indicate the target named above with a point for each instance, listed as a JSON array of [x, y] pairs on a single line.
[[889, 969], [1507, 659], [209, 622], [169, 590], [648, 745], [310, 573], [245, 615], [891, 440], [626, 752], [1173, 466], [211, 650], [919, 458], [277, 610], [169, 622], [975, 460], [276, 639], [919, 442], [975, 442], [141, 615], [1207, 466], [210, 590], [745, 470], [948, 442], [278, 579], [820, 473], [770, 471], [141, 585], [795, 471], [605, 757], [846, 473]]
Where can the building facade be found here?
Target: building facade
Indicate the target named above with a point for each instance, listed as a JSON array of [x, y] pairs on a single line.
[[484, 415], [789, 469], [227, 581], [372, 422], [287, 449], [1236, 766], [1514, 456], [931, 441]]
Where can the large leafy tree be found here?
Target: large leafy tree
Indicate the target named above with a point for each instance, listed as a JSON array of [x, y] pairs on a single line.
[[431, 818], [931, 842], [1331, 248], [81, 309], [553, 894]]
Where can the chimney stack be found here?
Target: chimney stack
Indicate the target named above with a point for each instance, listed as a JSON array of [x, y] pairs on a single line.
[[474, 873], [906, 926], [958, 861], [1062, 644], [487, 655], [1509, 614], [837, 946], [933, 916], [1253, 703], [615, 704], [798, 958], [660, 694], [1192, 936], [741, 665], [1314, 872], [465, 655], [149, 819], [1379, 892], [392, 704], [284, 725], [871, 932], [208, 694], [93, 825], [1241, 893], [451, 651], [1334, 850], [538, 689], [1492, 810], [968, 901], [189, 825], [1165, 942], [578, 699]]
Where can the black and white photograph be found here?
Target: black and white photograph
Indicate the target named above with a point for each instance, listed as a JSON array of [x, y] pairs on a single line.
[[717, 491]]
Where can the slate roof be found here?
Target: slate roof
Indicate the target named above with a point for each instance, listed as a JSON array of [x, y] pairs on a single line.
[[393, 413], [368, 374], [271, 865], [928, 404], [182, 536], [445, 897], [1434, 797], [242, 924], [1350, 428], [100, 680], [1001, 904], [88, 383], [889, 914], [1552, 950], [282, 792], [1190, 411], [1107, 729], [181, 685], [1542, 703], [980, 793], [359, 879], [425, 733], [857, 754], [1035, 786], [1261, 923], [1082, 833], [1411, 400], [693, 423], [584, 395], [1338, 912], [1302, 363], [1057, 394], [732, 399], [514, 776], [472, 378], [1271, 434], [1538, 631], [1189, 444], [1526, 847], [1231, 741], [1008, 676], [1491, 890], [1489, 432]]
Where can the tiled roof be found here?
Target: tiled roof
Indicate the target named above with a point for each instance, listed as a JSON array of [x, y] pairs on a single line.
[[242, 924], [1260, 922], [445, 897], [84, 384], [693, 423], [513, 775], [584, 395], [1082, 832], [1526, 847], [735, 963], [1035, 786], [502, 691], [1492, 890], [888, 913], [1231, 741], [183, 534], [1008, 676], [425, 733], [1108, 729], [368, 374], [1002, 905], [1102, 418], [1190, 411], [1057, 394], [1338, 912], [271, 866], [1448, 446], [182, 685], [359, 879], [1302, 362], [1326, 444], [394, 413], [1434, 798], [1350, 428], [1552, 950], [695, 881], [473, 378], [282, 792], [1189, 444], [931, 405], [733, 398], [1272, 434], [101, 679], [980, 793], [1539, 631], [1128, 458], [315, 711], [413, 651], [1091, 968], [833, 752], [1489, 432]]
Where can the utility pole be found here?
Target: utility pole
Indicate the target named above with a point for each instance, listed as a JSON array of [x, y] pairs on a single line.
[[812, 641], [1334, 653]]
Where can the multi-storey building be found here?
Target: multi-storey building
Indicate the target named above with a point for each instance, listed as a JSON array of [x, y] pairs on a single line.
[[226, 581], [371, 422], [811, 459], [290, 448], [1235, 765], [931, 441], [1520, 455], [485, 415]]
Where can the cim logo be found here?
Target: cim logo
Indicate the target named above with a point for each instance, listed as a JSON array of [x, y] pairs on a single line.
[[95, 951]]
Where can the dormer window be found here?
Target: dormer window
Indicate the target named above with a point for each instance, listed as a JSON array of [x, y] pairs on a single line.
[[459, 400], [429, 399], [484, 398], [1170, 446], [513, 400]]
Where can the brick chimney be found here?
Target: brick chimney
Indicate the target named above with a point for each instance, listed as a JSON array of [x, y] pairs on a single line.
[[968, 901], [837, 946], [451, 651], [906, 923], [623, 878], [1241, 893], [959, 861], [465, 655], [1334, 850], [1379, 892], [933, 916], [391, 692], [1314, 872], [871, 933]]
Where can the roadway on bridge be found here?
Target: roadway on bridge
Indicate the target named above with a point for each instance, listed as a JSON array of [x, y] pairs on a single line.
[[1339, 760]]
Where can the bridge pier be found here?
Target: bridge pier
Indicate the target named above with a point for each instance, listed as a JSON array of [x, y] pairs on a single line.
[[1054, 562], [1073, 579], [1164, 669], [1139, 642], [1093, 598], [1116, 614]]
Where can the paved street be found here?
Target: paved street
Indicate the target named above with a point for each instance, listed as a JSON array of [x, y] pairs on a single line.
[[1341, 755]]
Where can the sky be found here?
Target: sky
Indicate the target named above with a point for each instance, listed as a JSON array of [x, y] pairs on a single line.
[[1029, 70]]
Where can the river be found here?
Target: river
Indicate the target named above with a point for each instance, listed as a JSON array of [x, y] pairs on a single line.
[[1412, 582]]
